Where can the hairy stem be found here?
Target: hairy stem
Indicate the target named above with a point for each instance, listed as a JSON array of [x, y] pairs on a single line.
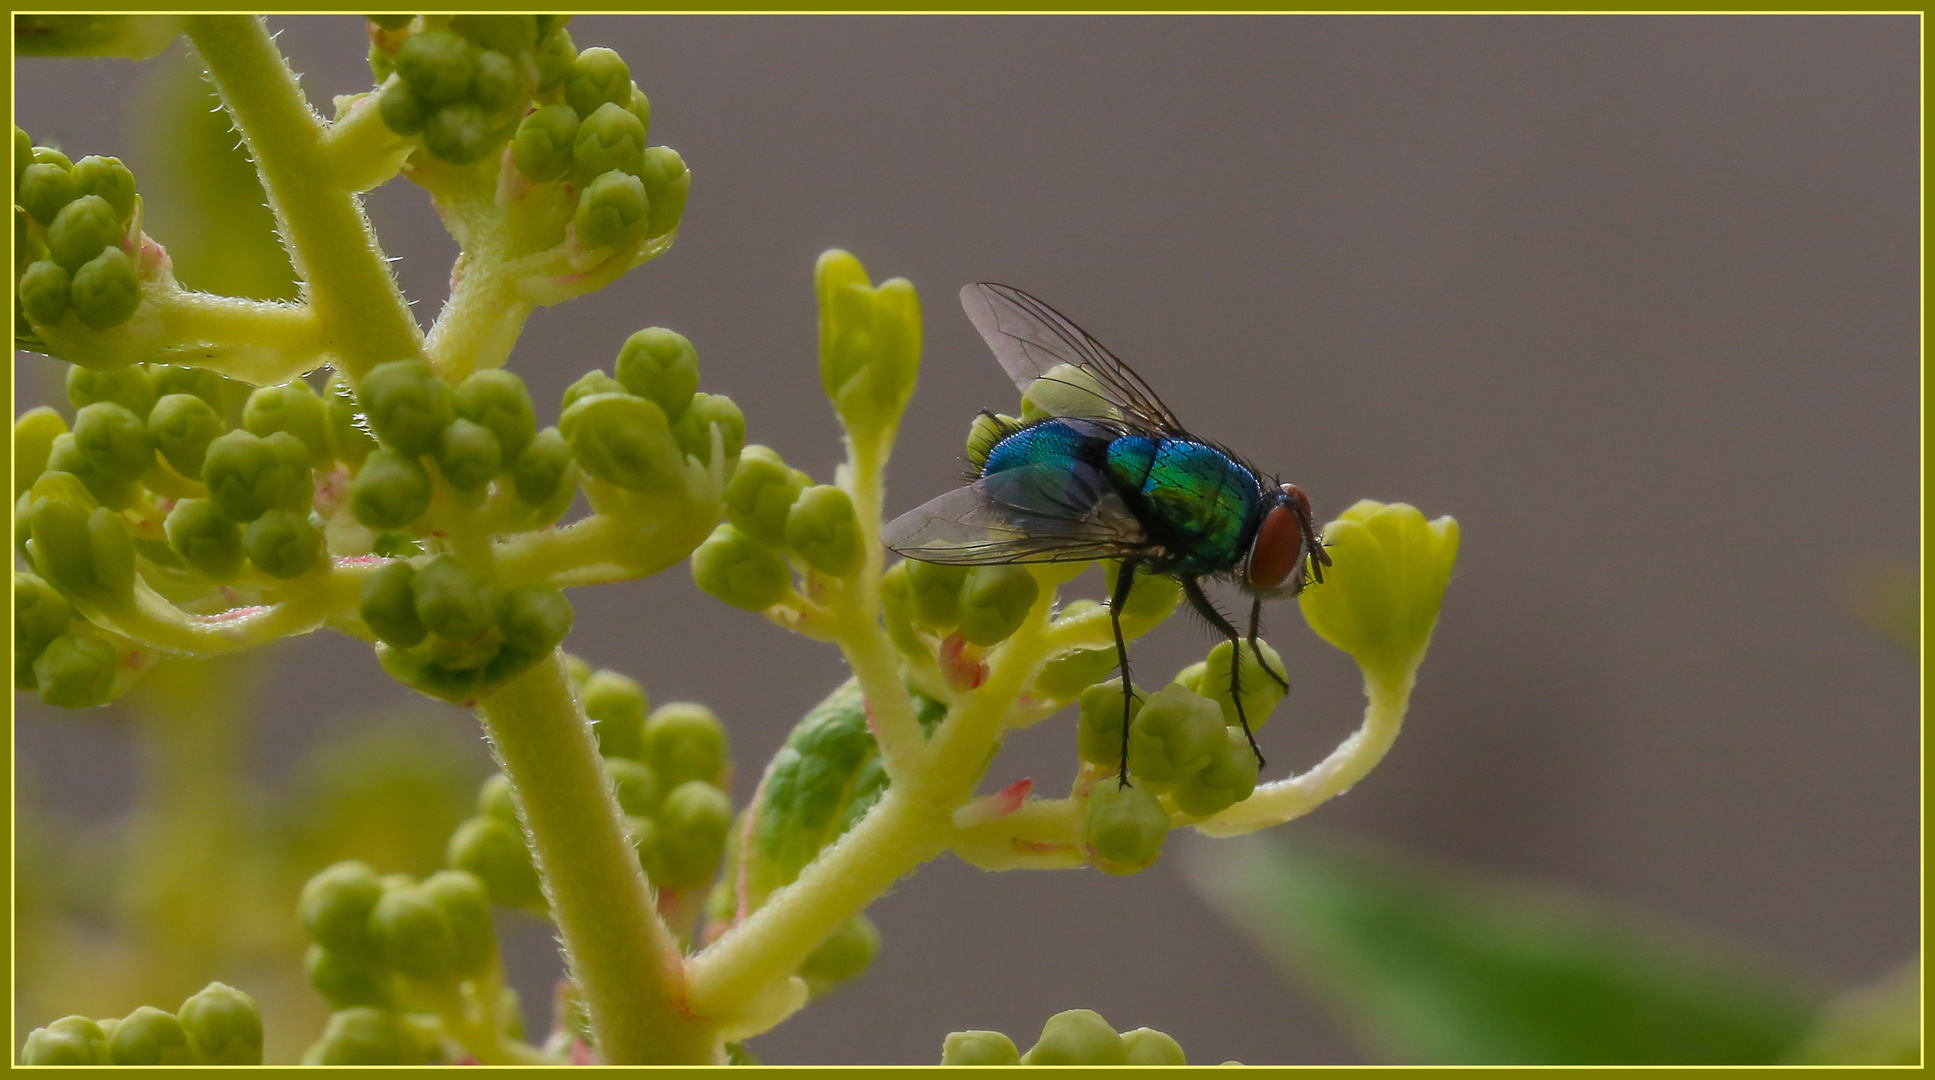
[[345, 279], [863, 639], [625, 960], [1388, 695]]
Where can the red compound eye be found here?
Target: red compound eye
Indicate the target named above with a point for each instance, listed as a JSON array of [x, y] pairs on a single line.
[[1278, 550]]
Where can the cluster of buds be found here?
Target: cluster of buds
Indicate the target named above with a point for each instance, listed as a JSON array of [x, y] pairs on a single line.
[[463, 86], [218, 1026], [1075, 1037], [401, 961], [80, 258], [669, 768], [778, 522]]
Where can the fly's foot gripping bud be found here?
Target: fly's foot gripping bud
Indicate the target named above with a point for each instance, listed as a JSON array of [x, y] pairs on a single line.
[[1176, 735], [1123, 828], [1098, 731], [1258, 675]]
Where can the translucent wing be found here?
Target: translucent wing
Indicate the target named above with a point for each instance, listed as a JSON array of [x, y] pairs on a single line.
[[1047, 512], [1056, 364]]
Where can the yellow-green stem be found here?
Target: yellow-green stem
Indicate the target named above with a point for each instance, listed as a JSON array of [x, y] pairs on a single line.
[[364, 318], [625, 961]]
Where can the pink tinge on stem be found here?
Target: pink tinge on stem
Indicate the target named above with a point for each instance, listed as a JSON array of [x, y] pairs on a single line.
[[581, 1053], [961, 663], [231, 614], [994, 807]]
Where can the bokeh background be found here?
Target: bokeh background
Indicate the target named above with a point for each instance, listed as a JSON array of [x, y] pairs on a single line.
[[1635, 298]]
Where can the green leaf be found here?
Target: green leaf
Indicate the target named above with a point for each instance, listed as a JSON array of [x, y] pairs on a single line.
[[1428, 965]]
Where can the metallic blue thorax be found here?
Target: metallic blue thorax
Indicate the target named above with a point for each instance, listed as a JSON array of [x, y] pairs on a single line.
[[1192, 499]]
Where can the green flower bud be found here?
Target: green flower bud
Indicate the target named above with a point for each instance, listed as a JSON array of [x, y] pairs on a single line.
[[33, 441], [459, 133], [1152, 599], [335, 909], [224, 1026], [496, 399], [438, 65], [979, 1048], [349, 440], [503, 33], [608, 138], [1077, 1037], [539, 470], [453, 600], [844, 955], [282, 543], [149, 1036], [534, 617], [685, 741], [389, 491], [641, 107], [65, 456], [342, 982], [27, 247], [1381, 595], [693, 823], [555, 54], [204, 538], [76, 671], [496, 799], [823, 529], [648, 844], [71, 1040], [660, 366], [1147, 1046], [107, 178], [597, 76], [984, 433], [936, 592], [995, 600], [1069, 674], [47, 155], [499, 83], [468, 455], [591, 382], [466, 907], [635, 784], [247, 474], [542, 148], [760, 495], [45, 292], [105, 291], [294, 408], [1261, 693], [115, 441], [1098, 732], [493, 849], [413, 934], [611, 212], [166, 379], [408, 405], [1123, 827], [389, 605], [23, 153], [1228, 779], [183, 426], [616, 704], [132, 387], [869, 341], [403, 109], [694, 429], [39, 616], [736, 569], [81, 230], [83, 554], [1174, 736], [623, 440], [667, 184], [366, 1036], [44, 189]]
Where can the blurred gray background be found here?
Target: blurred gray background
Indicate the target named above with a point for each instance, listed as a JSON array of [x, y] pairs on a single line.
[[1635, 298]]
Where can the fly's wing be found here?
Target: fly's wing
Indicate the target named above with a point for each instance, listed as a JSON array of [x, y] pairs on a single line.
[[1047, 512], [1057, 365]]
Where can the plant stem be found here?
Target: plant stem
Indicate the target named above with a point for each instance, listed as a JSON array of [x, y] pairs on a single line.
[[625, 960], [1388, 696], [363, 315], [872, 656]]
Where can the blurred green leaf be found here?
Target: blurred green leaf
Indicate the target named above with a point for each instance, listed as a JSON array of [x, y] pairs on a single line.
[[200, 195], [1875, 1025], [1428, 965]]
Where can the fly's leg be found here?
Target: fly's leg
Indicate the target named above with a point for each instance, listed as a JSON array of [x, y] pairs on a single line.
[[1208, 611], [1256, 620], [1124, 581]]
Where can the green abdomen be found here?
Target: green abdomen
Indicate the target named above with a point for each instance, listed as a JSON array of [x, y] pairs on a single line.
[[1192, 498]]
